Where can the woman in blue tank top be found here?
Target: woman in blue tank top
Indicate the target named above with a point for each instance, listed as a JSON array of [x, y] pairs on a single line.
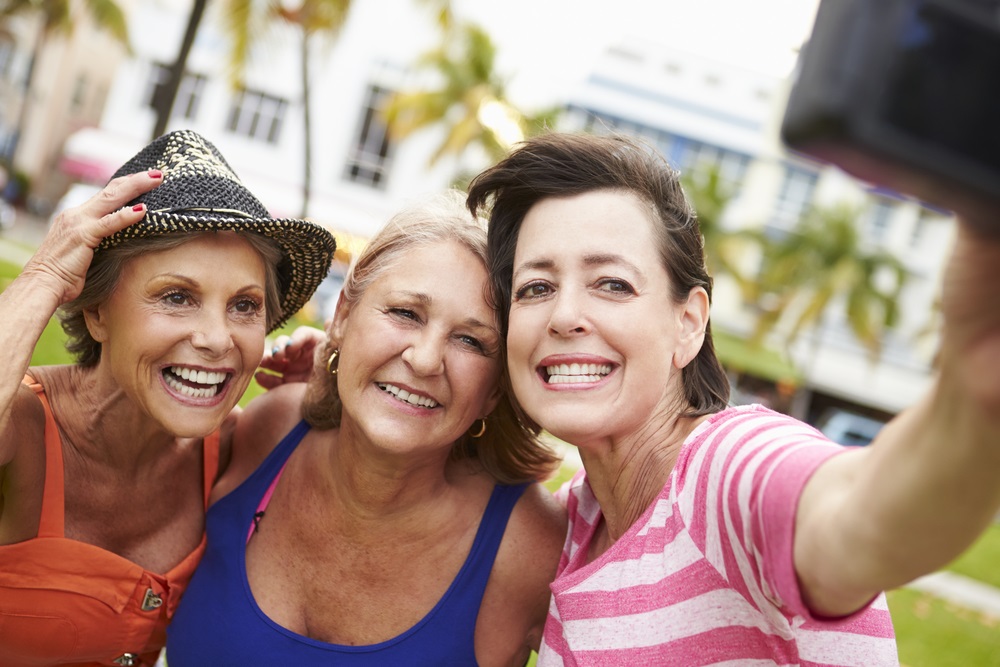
[[395, 516]]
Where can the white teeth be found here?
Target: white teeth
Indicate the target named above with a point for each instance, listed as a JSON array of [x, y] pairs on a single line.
[[576, 373], [407, 397], [199, 377], [180, 388]]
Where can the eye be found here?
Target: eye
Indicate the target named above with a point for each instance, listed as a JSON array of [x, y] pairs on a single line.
[[404, 313], [615, 285], [247, 306], [532, 290], [473, 342], [176, 298]]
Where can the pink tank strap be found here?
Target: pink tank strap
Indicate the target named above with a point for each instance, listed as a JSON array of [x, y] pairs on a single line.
[[52, 523], [264, 502]]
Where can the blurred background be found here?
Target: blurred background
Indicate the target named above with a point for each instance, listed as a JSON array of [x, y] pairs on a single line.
[[826, 287]]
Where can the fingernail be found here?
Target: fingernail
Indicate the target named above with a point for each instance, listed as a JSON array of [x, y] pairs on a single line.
[[155, 173], [275, 349], [138, 207], [288, 343]]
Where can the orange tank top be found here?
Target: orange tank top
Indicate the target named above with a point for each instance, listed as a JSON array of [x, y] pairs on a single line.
[[64, 602]]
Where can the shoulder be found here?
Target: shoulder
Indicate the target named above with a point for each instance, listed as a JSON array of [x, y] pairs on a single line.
[[534, 539], [25, 425], [250, 434], [746, 432], [538, 513], [526, 564]]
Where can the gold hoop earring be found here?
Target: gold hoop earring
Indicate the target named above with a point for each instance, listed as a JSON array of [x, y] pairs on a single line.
[[329, 362], [482, 428]]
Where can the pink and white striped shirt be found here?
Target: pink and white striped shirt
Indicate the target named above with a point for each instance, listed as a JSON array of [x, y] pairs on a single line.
[[705, 576]]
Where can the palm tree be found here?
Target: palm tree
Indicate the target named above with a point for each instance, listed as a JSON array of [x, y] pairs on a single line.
[[822, 259], [58, 18], [247, 21], [710, 196], [470, 99], [163, 103]]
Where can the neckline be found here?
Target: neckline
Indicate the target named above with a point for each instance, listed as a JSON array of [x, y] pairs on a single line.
[[365, 648], [52, 524], [578, 569]]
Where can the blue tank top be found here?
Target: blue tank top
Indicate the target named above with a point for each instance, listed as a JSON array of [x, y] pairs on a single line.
[[218, 621]]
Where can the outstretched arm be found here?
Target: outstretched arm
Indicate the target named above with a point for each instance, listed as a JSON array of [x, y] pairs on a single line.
[[55, 275], [881, 516]]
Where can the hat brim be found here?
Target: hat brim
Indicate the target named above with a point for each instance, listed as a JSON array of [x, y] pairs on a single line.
[[307, 248]]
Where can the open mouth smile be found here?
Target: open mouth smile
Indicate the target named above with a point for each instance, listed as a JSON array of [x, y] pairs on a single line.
[[407, 397], [575, 373], [195, 383]]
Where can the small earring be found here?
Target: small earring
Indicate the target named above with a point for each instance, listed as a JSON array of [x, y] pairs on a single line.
[[330, 363], [482, 428]]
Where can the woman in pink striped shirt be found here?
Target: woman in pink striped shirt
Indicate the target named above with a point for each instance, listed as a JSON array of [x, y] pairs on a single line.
[[702, 534]]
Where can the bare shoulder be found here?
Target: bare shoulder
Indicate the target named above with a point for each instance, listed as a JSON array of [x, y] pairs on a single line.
[[25, 425], [249, 435], [540, 517], [517, 597]]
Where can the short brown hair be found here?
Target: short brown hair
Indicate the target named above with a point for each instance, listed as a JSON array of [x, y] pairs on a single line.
[[105, 273], [562, 165], [509, 450]]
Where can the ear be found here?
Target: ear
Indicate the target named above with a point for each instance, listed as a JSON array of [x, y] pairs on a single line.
[[96, 323], [493, 399], [692, 319], [336, 324]]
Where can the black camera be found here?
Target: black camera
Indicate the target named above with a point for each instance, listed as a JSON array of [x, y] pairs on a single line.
[[906, 94]]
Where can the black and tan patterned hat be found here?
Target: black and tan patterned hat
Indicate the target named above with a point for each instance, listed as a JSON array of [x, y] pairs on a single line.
[[201, 193]]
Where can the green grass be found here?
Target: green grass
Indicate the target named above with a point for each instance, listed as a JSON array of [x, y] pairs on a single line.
[[982, 560], [933, 633]]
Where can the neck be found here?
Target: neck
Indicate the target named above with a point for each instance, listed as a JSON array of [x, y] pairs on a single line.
[[626, 475], [105, 426], [376, 486]]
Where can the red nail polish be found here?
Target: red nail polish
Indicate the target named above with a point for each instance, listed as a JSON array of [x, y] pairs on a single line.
[[138, 207], [155, 173]]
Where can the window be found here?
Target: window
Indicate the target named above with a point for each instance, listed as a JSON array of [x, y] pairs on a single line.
[[878, 219], [698, 158], [797, 187], [368, 160], [189, 92], [257, 115]]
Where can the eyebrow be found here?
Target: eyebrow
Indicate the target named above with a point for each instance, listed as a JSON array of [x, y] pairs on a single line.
[[591, 260]]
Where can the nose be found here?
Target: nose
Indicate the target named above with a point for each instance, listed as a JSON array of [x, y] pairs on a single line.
[[211, 334], [567, 316], [425, 354]]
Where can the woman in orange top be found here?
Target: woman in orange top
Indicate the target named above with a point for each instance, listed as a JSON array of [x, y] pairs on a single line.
[[106, 464]]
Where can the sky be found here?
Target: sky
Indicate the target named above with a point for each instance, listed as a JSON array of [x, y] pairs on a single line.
[[553, 42]]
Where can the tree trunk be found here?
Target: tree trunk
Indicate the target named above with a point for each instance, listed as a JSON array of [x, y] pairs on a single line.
[[25, 110], [167, 93], [306, 126]]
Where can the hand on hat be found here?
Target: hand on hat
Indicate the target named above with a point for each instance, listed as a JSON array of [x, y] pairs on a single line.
[[64, 256]]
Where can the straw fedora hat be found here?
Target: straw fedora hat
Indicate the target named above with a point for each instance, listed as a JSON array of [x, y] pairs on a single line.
[[201, 193]]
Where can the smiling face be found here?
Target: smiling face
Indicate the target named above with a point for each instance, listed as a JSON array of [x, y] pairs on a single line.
[[596, 342], [418, 351], [181, 337]]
